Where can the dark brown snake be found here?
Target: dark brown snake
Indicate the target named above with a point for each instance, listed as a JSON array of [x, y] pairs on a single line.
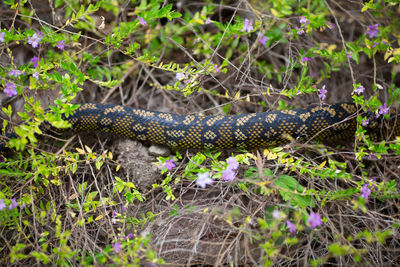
[[242, 131]]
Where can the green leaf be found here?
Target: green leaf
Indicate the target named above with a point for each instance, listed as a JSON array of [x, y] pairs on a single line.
[[338, 249], [292, 191]]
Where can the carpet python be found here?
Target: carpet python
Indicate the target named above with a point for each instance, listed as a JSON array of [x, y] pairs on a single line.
[[326, 122]]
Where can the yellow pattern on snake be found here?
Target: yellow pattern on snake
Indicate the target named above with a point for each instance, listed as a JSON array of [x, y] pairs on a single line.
[[241, 131]]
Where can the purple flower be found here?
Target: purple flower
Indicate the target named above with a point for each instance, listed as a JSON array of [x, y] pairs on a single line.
[[262, 39], [169, 164], [232, 163], [365, 191], [247, 25], [142, 21], [303, 20], [2, 204], [10, 89], [228, 174], [14, 73], [35, 75], [114, 214], [35, 61], [291, 226], [61, 45], [208, 21], [300, 31], [276, 214], [35, 39], [2, 36], [13, 204], [215, 67], [305, 59], [349, 54], [375, 44], [203, 179], [331, 26], [372, 30], [128, 236], [383, 110], [314, 220], [123, 208], [359, 90], [364, 122], [117, 247], [322, 93]]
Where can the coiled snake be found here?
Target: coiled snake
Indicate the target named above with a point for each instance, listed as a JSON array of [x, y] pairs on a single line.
[[242, 131]]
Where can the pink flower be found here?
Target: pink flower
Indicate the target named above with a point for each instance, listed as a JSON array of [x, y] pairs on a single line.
[[142, 21]]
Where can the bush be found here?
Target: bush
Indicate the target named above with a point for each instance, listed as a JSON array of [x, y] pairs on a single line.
[[80, 200]]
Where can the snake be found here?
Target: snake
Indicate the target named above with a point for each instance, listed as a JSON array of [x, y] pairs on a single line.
[[254, 130]]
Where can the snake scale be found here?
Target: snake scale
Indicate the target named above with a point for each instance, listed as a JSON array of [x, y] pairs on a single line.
[[232, 131]]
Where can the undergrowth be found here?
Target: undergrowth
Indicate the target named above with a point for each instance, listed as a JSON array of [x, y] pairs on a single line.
[[70, 200]]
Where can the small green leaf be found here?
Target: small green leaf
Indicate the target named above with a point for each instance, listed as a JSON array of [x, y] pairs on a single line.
[[292, 191]]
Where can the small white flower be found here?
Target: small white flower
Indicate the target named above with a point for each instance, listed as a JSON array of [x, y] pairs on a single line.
[[180, 76], [203, 179], [276, 214]]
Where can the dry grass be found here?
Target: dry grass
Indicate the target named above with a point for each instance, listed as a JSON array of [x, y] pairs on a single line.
[[218, 225]]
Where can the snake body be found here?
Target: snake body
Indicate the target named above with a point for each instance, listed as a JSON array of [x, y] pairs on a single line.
[[241, 131]]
